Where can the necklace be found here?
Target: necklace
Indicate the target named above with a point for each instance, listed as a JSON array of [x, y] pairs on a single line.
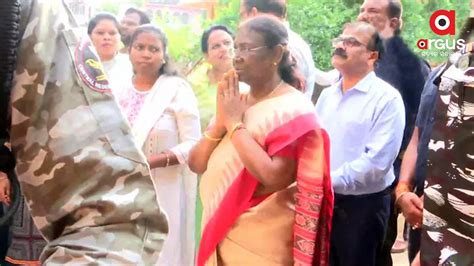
[[254, 101], [276, 88]]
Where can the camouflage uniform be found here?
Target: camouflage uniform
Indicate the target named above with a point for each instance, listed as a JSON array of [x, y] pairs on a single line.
[[447, 233], [87, 185]]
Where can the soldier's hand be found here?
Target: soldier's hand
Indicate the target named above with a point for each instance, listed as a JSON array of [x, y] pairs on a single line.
[[4, 189], [412, 208]]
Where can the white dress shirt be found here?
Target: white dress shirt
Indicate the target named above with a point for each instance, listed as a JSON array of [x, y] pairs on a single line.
[[365, 126]]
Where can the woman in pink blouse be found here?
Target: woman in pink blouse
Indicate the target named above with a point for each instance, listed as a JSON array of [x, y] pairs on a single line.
[[162, 111]]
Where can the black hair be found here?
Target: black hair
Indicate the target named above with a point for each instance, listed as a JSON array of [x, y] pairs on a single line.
[[167, 68], [207, 33], [467, 30], [394, 10], [375, 43], [144, 19], [275, 33], [275, 7], [98, 18]]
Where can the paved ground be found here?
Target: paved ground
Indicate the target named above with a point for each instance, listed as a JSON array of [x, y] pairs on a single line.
[[400, 259]]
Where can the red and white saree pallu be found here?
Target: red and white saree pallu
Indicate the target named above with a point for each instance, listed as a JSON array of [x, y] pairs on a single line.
[[290, 226]]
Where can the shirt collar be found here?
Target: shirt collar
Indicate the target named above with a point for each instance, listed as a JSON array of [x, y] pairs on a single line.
[[364, 84]]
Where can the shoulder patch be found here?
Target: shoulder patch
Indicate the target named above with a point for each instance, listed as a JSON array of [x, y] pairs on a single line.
[[89, 68]]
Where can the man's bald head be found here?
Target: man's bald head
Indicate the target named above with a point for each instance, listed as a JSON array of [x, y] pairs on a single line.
[[384, 15]]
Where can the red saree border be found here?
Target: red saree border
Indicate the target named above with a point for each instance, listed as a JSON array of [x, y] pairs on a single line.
[[23, 262], [313, 213], [314, 209], [282, 136]]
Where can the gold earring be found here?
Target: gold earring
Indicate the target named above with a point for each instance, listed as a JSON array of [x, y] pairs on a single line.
[[274, 63]]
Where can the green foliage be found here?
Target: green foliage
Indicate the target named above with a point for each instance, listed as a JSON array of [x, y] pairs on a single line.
[[227, 14], [416, 25], [183, 42], [318, 22], [109, 7]]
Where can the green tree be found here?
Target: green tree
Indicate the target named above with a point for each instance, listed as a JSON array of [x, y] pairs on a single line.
[[328, 17], [184, 45], [108, 7], [318, 22], [227, 14], [416, 25]]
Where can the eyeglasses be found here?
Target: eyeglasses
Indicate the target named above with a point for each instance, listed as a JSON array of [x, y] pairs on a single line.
[[347, 42], [246, 50]]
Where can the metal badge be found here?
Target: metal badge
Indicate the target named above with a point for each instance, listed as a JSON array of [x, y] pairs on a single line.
[[463, 62]]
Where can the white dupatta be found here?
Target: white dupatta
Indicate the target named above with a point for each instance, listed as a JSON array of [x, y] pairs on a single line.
[[172, 99], [160, 97]]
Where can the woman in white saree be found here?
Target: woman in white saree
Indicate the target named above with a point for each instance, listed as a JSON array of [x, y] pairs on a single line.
[[162, 111]]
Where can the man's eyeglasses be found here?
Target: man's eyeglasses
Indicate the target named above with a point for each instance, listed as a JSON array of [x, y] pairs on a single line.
[[347, 42], [246, 50]]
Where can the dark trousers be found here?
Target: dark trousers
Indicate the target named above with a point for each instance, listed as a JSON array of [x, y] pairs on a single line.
[[4, 238], [414, 242], [385, 256], [358, 228]]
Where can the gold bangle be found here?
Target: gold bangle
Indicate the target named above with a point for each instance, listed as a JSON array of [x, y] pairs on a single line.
[[236, 127], [207, 136]]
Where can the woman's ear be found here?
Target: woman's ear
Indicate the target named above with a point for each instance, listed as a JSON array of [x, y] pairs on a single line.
[[253, 12], [279, 50]]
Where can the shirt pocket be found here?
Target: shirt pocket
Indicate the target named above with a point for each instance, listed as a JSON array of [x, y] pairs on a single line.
[[356, 136]]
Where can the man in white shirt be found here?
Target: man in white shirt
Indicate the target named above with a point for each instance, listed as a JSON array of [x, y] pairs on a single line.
[[298, 47], [364, 117]]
